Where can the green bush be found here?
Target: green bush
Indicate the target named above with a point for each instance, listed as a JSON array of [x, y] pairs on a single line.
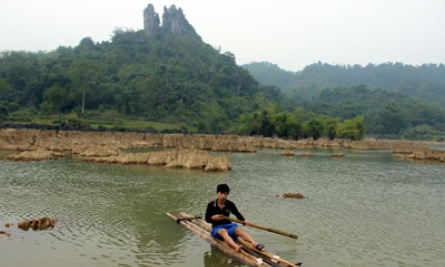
[[13, 107], [102, 128], [202, 126], [4, 112], [74, 120]]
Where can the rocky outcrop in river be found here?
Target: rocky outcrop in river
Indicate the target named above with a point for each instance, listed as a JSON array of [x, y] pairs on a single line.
[[37, 155], [107, 148], [41, 223], [100, 145], [418, 152], [176, 158]]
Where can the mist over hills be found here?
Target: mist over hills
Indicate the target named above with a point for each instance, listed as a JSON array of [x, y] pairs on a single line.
[[424, 83]]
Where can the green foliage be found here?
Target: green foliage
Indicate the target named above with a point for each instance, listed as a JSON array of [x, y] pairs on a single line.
[[352, 129], [270, 74], [4, 112], [423, 132], [4, 86], [58, 121], [385, 112], [57, 97], [424, 83], [167, 77], [301, 124], [13, 107], [331, 127], [74, 120], [181, 81], [314, 127]]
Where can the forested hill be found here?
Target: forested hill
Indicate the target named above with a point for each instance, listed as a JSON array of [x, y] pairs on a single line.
[[385, 112], [270, 74], [166, 76], [425, 83]]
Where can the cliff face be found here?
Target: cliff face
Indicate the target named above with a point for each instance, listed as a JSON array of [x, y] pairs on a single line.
[[173, 21], [151, 20]]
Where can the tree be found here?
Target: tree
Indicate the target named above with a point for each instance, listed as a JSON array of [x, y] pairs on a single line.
[[331, 127], [294, 126], [315, 127], [57, 97], [352, 129], [281, 123], [83, 73], [4, 87], [392, 117]]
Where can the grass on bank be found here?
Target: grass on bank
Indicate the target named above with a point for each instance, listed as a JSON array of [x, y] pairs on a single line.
[[112, 120], [96, 119]]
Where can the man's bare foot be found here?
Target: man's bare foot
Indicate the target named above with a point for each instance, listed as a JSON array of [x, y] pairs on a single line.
[[238, 249]]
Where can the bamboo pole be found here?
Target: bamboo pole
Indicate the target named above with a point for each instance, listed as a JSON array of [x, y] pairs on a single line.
[[241, 257], [247, 256], [263, 228], [267, 254], [208, 227]]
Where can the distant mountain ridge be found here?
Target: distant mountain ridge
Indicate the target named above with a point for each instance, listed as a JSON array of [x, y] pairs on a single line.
[[424, 83]]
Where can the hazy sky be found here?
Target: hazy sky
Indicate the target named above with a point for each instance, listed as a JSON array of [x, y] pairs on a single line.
[[291, 34]]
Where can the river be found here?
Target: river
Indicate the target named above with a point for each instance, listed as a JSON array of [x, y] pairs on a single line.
[[365, 209]]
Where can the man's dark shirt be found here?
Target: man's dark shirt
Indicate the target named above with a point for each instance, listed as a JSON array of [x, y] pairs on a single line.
[[229, 207]]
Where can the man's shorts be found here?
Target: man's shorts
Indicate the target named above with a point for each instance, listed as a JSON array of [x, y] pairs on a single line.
[[231, 227]]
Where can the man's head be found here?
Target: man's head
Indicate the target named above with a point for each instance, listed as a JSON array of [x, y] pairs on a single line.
[[223, 188]]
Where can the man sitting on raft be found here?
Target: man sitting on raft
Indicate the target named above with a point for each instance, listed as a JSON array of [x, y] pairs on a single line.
[[222, 228]]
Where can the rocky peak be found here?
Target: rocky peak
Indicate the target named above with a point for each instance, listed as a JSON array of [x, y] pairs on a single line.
[[151, 20], [173, 21]]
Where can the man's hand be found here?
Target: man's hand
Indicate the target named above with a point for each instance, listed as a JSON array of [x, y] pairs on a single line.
[[218, 217], [246, 223]]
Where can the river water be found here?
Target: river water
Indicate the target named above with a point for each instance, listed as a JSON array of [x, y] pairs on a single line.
[[365, 209]]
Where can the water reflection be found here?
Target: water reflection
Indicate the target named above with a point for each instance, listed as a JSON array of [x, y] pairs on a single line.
[[217, 258]]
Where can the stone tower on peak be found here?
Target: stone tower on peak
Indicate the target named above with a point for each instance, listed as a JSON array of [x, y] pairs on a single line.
[[173, 21]]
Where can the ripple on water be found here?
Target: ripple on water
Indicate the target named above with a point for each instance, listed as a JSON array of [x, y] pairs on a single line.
[[366, 209]]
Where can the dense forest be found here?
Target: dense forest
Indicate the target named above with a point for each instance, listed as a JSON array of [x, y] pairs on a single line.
[[163, 78], [425, 83], [397, 101], [177, 78]]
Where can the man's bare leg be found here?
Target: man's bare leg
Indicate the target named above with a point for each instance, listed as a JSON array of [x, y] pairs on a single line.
[[239, 232], [225, 235]]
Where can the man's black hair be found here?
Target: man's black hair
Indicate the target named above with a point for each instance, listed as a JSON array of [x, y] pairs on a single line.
[[223, 188]]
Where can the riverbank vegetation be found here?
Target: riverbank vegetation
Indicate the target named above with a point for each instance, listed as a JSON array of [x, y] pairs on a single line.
[[397, 100]]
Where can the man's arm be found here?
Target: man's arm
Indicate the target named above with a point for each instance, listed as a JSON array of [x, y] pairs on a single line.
[[210, 212], [235, 211]]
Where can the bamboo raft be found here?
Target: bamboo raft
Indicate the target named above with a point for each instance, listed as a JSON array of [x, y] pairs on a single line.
[[249, 256]]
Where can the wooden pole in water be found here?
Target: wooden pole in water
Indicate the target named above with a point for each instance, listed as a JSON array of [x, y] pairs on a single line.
[[267, 254], [263, 228], [241, 257], [206, 226]]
